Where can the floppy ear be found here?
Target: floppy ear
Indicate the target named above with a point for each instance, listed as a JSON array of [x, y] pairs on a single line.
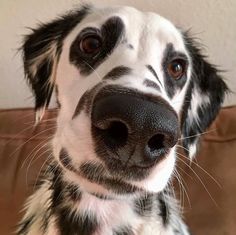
[[41, 52], [204, 97]]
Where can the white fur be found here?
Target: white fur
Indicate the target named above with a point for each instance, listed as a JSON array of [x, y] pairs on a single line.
[[198, 101], [38, 202], [104, 210], [192, 150], [159, 177]]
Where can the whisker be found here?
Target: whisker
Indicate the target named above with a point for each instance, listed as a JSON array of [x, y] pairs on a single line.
[[185, 187], [32, 161], [181, 197], [43, 121], [32, 137], [35, 150], [182, 147], [18, 134], [41, 168], [184, 172], [199, 134], [201, 168], [200, 180], [96, 73]]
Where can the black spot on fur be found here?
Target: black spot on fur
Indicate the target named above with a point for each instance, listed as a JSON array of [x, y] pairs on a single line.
[[176, 232], [68, 221], [172, 85], [152, 70], [39, 42], [92, 171], [96, 173], [24, 226], [149, 83], [205, 81], [72, 223], [46, 220], [126, 230], [163, 209], [117, 72], [111, 33], [57, 187], [130, 46], [102, 197], [66, 160], [73, 192], [144, 205], [62, 191], [43, 73], [125, 41]]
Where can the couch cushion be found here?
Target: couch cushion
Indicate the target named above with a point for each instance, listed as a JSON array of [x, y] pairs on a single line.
[[213, 201], [24, 149]]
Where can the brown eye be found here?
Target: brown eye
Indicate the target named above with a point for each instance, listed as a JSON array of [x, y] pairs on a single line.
[[91, 44], [176, 68]]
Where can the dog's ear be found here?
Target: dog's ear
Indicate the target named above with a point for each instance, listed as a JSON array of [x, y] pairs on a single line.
[[204, 97], [41, 52]]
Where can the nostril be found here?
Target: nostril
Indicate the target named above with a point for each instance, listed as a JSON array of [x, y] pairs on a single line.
[[156, 143], [116, 134]]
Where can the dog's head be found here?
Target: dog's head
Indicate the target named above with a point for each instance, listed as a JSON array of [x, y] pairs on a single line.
[[130, 86]]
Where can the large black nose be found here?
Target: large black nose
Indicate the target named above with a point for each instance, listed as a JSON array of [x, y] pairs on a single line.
[[136, 129]]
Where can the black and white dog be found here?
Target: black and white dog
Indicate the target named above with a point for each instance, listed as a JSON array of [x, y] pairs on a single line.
[[130, 86]]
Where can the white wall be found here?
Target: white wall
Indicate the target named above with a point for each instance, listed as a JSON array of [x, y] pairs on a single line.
[[213, 21]]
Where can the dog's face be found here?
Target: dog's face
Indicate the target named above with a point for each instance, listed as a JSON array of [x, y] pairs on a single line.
[[130, 86]]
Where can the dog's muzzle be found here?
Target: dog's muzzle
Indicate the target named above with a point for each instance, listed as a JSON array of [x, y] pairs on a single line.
[[136, 129]]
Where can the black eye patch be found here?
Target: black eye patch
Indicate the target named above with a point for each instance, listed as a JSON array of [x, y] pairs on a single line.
[[172, 85], [111, 33]]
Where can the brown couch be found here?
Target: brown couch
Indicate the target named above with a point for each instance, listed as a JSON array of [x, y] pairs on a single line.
[[211, 209]]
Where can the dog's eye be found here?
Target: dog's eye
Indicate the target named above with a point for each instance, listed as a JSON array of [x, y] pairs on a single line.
[[176, 68], [91, 44]]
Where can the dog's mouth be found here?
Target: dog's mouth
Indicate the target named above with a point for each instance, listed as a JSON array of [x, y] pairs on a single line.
[[112, 168], [114, 177]]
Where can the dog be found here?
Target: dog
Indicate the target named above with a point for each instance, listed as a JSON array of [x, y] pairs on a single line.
[[131, 87]]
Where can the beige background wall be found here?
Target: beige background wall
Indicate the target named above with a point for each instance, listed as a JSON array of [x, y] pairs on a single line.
[[212, 21]]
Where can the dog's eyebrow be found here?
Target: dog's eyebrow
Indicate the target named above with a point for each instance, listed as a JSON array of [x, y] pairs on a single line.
[[152, 70], [117, 72]]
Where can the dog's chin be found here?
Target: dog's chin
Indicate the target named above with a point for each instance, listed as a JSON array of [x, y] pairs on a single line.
[[116, 180]]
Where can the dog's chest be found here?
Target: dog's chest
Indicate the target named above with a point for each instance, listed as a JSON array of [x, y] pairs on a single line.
[[65, 212], [115, 217], [111, 215]]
